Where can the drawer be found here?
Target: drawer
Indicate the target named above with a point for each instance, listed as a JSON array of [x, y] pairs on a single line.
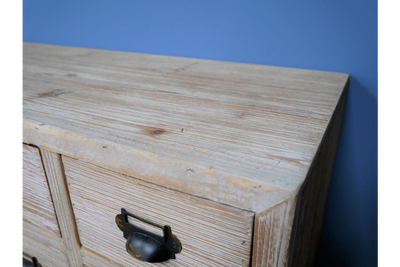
[[38, 205], [47, 255], [211, 234], [41, 234]]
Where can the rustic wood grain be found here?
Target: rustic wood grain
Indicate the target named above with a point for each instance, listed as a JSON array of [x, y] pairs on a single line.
[[275, 244], [258, 138], [37, 202], [47, 255], [312, 196], [39, 233], [211, 234], [91, 258], [43, 236], [59, 190], [239, 134], [272, 230]]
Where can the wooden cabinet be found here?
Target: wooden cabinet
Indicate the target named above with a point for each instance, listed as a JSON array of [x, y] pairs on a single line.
[[235, 158]]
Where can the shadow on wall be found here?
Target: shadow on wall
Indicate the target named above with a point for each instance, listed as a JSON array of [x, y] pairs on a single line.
[[351, 209]]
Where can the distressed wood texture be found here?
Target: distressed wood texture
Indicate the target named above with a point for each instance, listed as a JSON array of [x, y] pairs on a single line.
[[59, 190], [312, 197], [39, 233], [38, 206], [272, 230], [288, 236], [249, 140], [239, 134], [211, 234], [47, 255]]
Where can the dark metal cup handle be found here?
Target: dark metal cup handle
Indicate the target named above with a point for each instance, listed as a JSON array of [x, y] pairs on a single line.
[[145, 245]]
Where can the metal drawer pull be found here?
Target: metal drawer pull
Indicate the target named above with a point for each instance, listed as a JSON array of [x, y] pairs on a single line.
[[147, 246]]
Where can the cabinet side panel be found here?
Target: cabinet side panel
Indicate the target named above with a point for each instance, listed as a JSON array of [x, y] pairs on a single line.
[[312, 196]]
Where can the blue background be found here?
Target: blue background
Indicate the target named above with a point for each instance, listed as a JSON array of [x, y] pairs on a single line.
[[323, 35]]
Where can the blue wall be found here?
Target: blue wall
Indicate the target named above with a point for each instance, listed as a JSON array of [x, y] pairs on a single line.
[[324, 35]]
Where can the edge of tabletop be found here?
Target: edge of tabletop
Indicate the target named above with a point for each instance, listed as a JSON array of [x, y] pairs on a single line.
[[215, 185]]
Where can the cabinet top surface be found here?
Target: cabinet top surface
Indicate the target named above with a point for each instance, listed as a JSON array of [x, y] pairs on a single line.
[[170, 119]]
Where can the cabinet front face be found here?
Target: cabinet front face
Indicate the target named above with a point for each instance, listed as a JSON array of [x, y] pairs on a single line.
[[42, 238], [211, 234]]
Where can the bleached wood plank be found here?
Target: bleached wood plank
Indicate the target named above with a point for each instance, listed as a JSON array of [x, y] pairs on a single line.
[[288, 234], [47, 255], [272, 229], [248, 133], [211, 234], [311, 199], [43, 236], [59, 190], [38, 206], [91, 258]]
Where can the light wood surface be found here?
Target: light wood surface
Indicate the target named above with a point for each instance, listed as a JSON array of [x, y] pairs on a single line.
[[93, 259], [39, 233], [211, 234], [47, 255], [59, 190], [311, 199], [288, 233], [38, 206], [232, 142], [239, 134], [272, 229]]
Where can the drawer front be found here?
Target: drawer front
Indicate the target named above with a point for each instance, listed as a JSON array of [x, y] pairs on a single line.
[[47, 256], [41, 234], [38, 206], [211, 234]]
